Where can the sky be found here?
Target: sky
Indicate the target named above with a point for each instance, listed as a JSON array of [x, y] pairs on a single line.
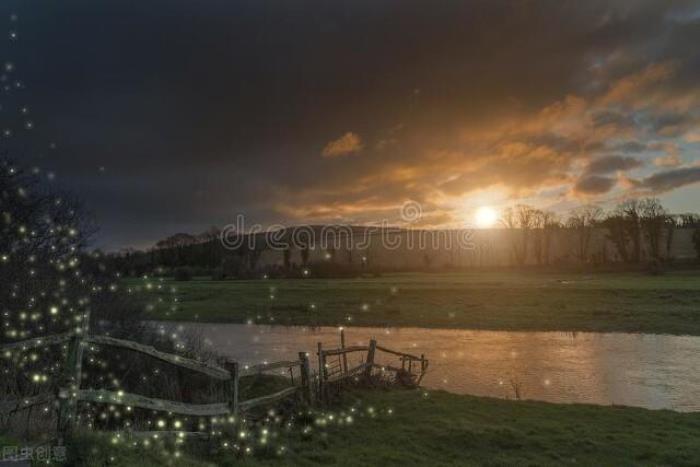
[[172, 116]]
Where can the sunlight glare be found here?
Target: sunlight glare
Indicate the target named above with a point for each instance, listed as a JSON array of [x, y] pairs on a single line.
[[485, 217]]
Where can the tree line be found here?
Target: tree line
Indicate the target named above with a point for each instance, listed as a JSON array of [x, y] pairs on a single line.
[[639, 230], [635, 228]]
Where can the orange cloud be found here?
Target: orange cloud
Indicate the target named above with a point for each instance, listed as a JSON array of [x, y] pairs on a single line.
[[629, 88], [346, 144], [562, 151]]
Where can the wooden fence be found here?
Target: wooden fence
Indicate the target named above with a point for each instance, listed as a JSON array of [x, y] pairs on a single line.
[[334, 368], [311, 388]]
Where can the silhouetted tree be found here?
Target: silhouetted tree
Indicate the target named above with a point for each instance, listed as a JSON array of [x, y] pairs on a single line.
[[42, 233], [618, 232], [653, 220], [582, 222], [545, 224], [631, 213], [520, 219], [696, 242]]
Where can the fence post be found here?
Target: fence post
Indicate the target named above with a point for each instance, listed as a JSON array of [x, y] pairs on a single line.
[[305, 378], [345, 356], [68, 390], [370, 357], [232, 386], [321, 374], [422, 368]]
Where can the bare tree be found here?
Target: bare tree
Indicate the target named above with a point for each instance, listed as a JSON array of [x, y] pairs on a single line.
[[696, 241], [45, 289], [42, 233], [510, 223], [523, 219], [653, 220], [671, 224], [618, 232], [582, 222], [545, 224], [631, 212], [688, 220]]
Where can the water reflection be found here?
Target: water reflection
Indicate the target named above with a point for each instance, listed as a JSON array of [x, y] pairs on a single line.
[[652, 371]]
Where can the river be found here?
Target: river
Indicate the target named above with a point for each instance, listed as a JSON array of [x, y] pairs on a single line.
[[643, 370]]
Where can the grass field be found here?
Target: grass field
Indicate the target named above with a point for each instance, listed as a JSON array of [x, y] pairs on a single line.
[[485, 300], [437, 428]]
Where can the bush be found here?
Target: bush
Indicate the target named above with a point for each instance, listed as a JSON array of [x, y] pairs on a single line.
[[183, 274]]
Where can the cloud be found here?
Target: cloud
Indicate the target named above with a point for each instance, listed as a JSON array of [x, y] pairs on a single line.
[[594, 185], [631, 146], [669, 160], [612, 118], [670, 179], [346, 144], [672, 154], [629, 89], [672, 124], [608, 164], [561, 147]]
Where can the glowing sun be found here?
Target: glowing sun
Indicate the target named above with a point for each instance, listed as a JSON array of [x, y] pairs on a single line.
[[485, 217]]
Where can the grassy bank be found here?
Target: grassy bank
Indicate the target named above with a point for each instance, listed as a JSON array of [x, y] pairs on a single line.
[[436, 428], [627, 302]]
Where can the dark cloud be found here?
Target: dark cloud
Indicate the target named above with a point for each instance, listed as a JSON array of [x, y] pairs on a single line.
[[594, 185], [612, 118], [608, 164], [561, 144], [200, 110], [631, 147], [673, 124], [670, 179]]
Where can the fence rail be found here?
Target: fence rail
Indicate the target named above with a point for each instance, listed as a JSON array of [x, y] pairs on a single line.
[[399, 354], [263, 367], [194, 365], [268, 399], [102, 396], [12, 405], [344, 350], [37, 342], [70, 393]]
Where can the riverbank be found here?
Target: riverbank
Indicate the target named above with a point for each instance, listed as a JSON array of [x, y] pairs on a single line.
[[558, 367], [417, 427], [607, 302]]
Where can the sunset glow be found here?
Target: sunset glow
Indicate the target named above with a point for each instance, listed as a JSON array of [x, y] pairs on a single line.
[[485, 217], [349, 233]]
